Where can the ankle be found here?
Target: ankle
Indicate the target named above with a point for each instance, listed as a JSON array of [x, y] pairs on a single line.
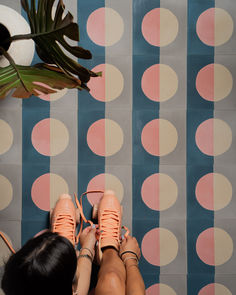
[[129, 258], [110, 251]]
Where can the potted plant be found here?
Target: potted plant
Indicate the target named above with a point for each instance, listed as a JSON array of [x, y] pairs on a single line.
[[58, 70]]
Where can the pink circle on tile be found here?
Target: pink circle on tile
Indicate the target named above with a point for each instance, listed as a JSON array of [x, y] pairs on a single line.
[[40, 192], [159, 82], [151, 27], [159, 137], [97, 85], [96, 183], [213, 191], [206, 26], [160, 27], [159, 191], [205, 82], [205, 137], [159, 246], [102, 182], [214, 82], [96, 26], [214, 246], [160, 289], [151, 246], [105, 26], [41, 137], [50, 137], [105, 137], [107, 87], [153, 290], [150, 191], [205, 246], [213, 137], [151, 82], [96, 137], [207, 290], [46, 190], [214, 289], [205, 191], [150, 137], [215, 26]]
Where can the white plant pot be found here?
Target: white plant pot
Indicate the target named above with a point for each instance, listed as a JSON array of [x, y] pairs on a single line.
[[21, 51]]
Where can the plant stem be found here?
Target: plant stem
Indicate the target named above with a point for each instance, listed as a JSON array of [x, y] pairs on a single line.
[[18, 37], [29, 36]]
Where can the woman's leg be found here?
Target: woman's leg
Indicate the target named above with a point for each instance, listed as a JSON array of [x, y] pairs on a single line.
[[112, 275]]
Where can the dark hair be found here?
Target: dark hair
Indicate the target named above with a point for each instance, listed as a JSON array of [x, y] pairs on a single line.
[[44, 265]]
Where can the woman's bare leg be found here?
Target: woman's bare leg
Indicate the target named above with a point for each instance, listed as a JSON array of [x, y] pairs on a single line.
[[112, 274]]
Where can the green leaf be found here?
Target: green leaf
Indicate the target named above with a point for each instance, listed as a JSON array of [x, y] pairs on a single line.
[[51, 35], [34, 80]]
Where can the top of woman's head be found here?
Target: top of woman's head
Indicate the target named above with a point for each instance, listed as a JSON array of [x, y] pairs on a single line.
[[44, 265]]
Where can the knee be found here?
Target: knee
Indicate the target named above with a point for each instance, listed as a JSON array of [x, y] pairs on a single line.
[[112, 280]]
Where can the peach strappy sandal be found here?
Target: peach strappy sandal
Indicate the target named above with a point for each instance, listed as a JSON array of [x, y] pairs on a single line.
[[63, 219], [109, 220], [109, 215]]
